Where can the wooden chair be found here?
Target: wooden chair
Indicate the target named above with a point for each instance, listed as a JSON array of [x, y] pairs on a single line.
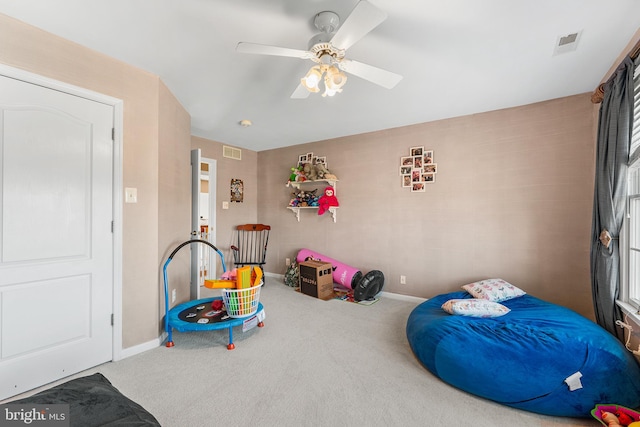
[[251, 246]]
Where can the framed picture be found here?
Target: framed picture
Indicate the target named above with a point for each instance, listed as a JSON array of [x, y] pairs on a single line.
[[428, 157], [237, 190], [416, 151], [321, 160], [309, 157], [430, 168], [417, 187], [429, 178], [302, 159], [418, 169]]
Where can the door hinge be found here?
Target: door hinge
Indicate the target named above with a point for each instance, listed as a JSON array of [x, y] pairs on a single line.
[[113, 134], [112, 225], [111, 319]]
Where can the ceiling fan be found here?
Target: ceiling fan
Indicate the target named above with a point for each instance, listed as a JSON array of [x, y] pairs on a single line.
[[327, 49]]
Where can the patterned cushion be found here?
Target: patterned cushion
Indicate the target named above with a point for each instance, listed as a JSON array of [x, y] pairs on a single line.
[[474, 308], [496, 290]]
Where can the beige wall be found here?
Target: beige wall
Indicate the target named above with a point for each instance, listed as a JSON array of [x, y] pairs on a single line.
[[238, 213], [512, 199], [174, 197], [146, 144]]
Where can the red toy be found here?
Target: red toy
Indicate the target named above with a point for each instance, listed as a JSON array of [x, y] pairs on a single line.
[[327, 200]]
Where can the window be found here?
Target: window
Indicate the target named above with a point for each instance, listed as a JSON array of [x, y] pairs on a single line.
[[631, 231]]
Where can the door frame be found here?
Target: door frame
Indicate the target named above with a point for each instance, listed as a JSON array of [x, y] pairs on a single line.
[[213, 229], [117, 187]]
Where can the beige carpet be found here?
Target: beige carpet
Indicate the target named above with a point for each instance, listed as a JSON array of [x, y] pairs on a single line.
[[315, 363]]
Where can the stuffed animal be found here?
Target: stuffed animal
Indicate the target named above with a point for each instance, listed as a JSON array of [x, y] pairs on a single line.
[[307, 170], [327, 200], [619, 419], [320, 170]]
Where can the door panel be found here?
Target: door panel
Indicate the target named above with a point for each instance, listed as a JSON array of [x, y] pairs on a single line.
[[56, 255], [30, 161]]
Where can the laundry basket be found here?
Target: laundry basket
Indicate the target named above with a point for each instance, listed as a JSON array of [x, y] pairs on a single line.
[[241, 302]]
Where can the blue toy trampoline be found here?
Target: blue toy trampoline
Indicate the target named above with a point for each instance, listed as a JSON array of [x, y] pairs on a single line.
[[206, 314]]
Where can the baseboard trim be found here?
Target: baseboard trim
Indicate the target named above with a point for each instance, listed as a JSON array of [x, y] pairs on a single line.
[[141, 348], [402, 297], [382, 294]]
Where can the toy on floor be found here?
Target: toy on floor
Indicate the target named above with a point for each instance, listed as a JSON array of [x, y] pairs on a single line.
[[616, 415], [364, 286]]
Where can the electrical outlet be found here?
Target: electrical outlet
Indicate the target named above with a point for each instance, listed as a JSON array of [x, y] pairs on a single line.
[[173, 295], [403, 280], [287, 262]]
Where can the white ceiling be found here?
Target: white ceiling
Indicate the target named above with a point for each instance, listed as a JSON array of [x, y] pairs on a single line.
[[457, 57]]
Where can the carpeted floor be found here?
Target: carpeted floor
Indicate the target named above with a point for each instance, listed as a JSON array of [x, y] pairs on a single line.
[[315, 363]]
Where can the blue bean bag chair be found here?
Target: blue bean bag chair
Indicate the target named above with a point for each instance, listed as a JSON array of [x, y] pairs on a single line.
[[539, 357]]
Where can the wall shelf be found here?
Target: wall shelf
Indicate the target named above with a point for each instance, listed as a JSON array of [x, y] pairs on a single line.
[[333, 210], [331, 182]]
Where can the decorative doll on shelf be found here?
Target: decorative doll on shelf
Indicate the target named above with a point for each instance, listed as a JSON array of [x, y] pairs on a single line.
[[327, 200]]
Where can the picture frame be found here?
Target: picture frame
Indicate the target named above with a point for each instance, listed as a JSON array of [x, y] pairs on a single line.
[[430, 168], [428, 157], [417, 162], [302, 159], [237, 190], [418, 187], [428, 178], [321, 160], [418, 169]]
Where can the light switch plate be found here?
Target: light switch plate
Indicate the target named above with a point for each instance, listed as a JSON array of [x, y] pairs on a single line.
[[225, 205], [131, 195]]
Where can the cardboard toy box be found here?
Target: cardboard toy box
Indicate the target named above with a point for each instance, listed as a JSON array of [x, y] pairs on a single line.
[[316, 279]]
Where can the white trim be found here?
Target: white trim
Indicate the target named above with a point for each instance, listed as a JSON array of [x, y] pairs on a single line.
[[384, 294], [141, 348], [402, 297], [629, 310], [118, 123], [118, 218]]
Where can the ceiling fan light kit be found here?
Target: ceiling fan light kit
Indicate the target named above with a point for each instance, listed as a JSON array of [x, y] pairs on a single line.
[[327, 49]]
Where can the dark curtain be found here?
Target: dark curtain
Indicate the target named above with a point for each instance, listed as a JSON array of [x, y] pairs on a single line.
[[612, 157]]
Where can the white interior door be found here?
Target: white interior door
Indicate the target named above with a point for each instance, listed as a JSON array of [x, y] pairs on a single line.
[[203, 205], [56, 241]]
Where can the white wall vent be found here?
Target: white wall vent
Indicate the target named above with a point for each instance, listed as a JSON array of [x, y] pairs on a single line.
[[567, 43], [231, 152]]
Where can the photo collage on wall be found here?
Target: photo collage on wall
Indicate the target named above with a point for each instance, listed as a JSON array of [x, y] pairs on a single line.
[[418, 169]]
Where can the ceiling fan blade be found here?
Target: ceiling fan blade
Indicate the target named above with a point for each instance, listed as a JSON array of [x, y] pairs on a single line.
[[364, 18], [262, 49], [381, 77], [301, 92]]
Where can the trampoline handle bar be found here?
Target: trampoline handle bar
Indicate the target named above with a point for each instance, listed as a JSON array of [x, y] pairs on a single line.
[[166, 280]]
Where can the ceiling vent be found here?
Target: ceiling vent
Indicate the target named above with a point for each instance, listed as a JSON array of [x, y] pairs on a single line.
[[231, 152], [567, 43]]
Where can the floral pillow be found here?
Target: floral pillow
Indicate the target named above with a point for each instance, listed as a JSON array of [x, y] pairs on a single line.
[[496, 290], [474, 308]]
